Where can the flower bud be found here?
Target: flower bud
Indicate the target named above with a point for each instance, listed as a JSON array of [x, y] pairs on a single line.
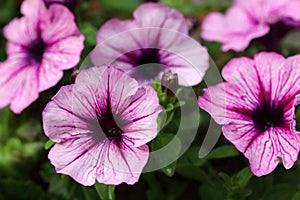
[[169, 83]]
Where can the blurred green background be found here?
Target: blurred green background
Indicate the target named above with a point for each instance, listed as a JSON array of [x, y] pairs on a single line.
[[25, 172]]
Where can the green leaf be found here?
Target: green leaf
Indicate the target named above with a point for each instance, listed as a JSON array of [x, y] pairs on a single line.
[[161, 141], [8, 10], [4, 124], [194, 173], [296, 196], [225, 151], [124, 5], [49, 144], [89, 193], [244, 177], [193, 8], [89, 32], [105, 192], [169, 107], [179, 104], [155, 190], [190, 157], [235, 186], [284, 191], [170, 169]]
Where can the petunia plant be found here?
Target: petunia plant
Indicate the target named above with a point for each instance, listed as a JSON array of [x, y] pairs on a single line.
[[38, 51], [257, 109], [107, 121], [138, 99], [247, 20]]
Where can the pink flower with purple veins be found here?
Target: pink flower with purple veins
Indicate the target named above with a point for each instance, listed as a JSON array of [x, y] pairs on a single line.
[[157, 41], [41, 44], [256, 108], [101, 125], [247, 20]]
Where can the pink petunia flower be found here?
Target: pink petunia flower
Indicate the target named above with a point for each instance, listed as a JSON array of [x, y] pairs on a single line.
[[256, 108], [101, 125], [156, 41], [247, 20], [41, 44]]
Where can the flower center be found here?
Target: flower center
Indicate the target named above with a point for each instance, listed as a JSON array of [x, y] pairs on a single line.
[[266, 116], [109, 126], [36, 50], [149, 57]]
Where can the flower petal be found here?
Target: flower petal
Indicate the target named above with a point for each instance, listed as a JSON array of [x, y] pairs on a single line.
[[235, 30], [70, 114], [115, 50], [269, 146], [264, 10], [273, 71], [288, 79], [78, 158], [225, 103], [86, 160], [61, 24], [20, 31], [123, 164], [116, 87], [82, 150], [162, 28], [33, 9], [242, 73], [141, 118], [160, 16], [65, 53], [113, 27], [18, 85], [291, 10], [183, 55], [48, 75], [262, 154]]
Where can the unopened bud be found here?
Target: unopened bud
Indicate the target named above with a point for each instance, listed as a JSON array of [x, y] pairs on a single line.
[[169, 83]]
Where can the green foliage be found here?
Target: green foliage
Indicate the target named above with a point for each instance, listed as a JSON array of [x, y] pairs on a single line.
[[281, 192], [124, 5], [225, 151], [89, 32], [162, 141], [48, 144], [235, 186], [105, 192], [63, 187], [20, 190], [194, 8]]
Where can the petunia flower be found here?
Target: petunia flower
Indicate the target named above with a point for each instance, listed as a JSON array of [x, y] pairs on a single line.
[[256, 108], [156, 41], [101, 125], [41, 44], [247, 20]]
